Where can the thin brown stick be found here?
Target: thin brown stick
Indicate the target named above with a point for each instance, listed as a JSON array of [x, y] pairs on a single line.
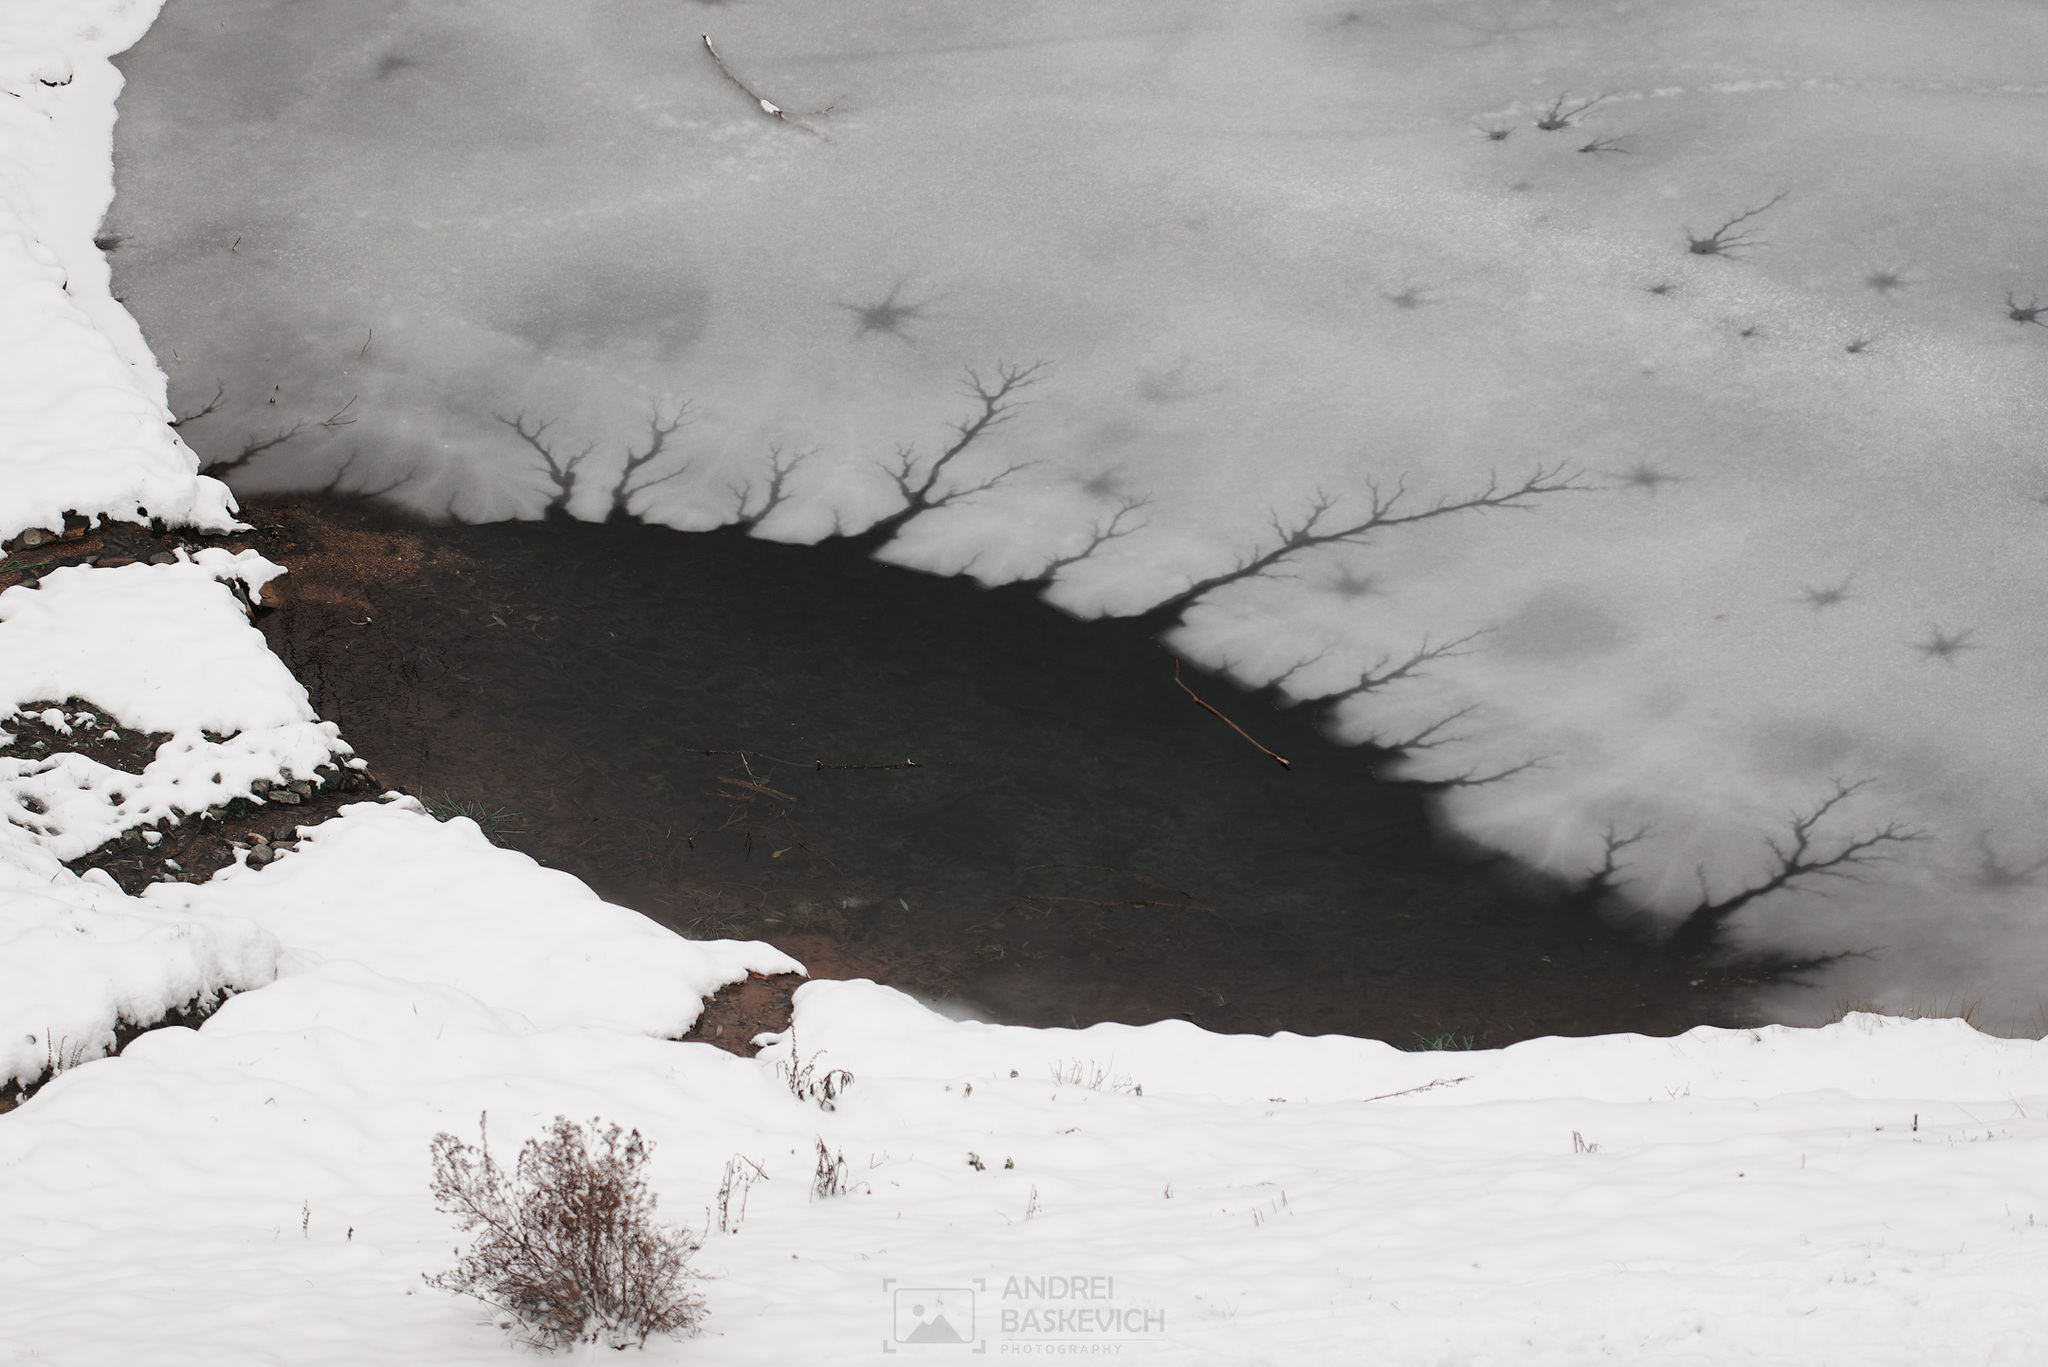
[[907, 764], [1425, 1087], [1225, 720], [815, 765]]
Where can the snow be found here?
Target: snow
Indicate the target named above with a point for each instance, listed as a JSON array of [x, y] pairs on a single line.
[[157, 648], [255, 1190], [387, 886], [82, 424]]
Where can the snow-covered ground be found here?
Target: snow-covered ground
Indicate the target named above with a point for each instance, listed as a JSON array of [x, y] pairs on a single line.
[[255, 1190]]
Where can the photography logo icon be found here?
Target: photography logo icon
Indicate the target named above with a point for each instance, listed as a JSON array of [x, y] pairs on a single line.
[[935, 1315]]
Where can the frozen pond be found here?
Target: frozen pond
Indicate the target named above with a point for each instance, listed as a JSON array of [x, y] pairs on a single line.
[[1723, 315]]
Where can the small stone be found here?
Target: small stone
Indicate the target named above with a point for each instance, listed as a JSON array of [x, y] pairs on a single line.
[[286, 833], [302, 788], [34, 536], [261, 785], [163, 558], [260, 856], [286, 796]]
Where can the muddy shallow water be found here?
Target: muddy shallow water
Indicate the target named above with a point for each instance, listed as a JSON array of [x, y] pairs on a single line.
[[719, 732]]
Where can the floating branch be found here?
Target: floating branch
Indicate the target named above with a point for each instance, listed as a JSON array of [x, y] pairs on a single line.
[[814, 765], [1226, 721], [768, 107], [907, 764]]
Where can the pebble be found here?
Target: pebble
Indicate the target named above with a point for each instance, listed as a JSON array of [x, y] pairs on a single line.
[[260, 856], [284, 795], [286, 833]]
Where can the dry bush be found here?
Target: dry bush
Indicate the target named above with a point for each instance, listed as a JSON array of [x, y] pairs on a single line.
[[808, 1082], [830, 1178], [568, 1246]]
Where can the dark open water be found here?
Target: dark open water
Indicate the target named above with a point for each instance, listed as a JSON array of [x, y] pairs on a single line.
[[1079, 841]]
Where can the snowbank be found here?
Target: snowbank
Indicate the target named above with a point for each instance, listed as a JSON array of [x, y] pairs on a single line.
[[254, 1191], [82, 415], [157, 648], [388, 887]]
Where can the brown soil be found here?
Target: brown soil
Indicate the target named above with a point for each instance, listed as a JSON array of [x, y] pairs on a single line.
[[734, 1015], [959, 792]]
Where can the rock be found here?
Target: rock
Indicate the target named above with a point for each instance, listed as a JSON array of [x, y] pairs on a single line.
[[302, 787], [286, 833], [286, 796], [163, 558], [34, 536], [260, 856], [260, 786], [272, 594]]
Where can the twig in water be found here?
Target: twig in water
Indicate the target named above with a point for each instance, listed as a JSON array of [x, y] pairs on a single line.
[[907, 764], [1225, 720], [768, 107]]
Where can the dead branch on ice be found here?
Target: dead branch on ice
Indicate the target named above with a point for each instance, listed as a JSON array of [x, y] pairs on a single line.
[[768, 106]]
